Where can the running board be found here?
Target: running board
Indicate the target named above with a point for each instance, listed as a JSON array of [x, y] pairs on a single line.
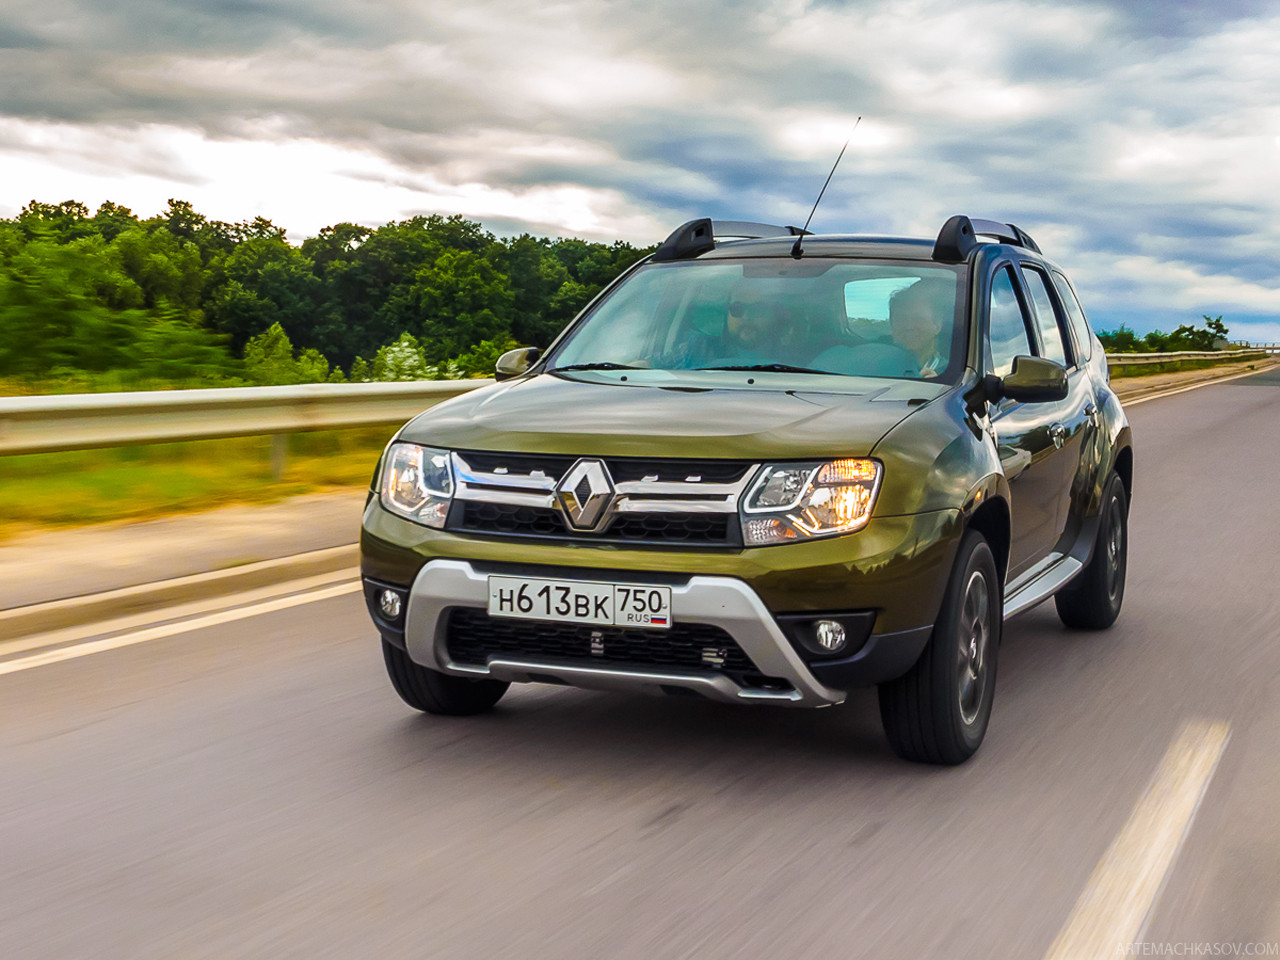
[[1042, 587]]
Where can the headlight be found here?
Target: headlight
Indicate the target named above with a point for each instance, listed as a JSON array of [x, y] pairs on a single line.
[[797, 501], [417, 483]]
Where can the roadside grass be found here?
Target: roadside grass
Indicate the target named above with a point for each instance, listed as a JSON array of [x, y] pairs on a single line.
[[128, 483]]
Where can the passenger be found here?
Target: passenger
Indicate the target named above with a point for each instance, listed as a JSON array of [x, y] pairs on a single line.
[[916, 318]]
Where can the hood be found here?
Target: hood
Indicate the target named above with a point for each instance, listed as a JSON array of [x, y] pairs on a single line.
[[595, 416]]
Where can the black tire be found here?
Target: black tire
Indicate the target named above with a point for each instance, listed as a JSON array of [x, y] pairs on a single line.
[[1092, 600], [434, 692], [938, 712]]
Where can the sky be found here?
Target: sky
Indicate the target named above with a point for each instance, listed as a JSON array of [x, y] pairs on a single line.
[[1137, 142]]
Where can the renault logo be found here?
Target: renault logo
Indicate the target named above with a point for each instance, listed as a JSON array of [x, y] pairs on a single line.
[[585, 494]]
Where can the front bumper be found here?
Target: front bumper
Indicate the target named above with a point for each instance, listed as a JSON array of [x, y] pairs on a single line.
[[896, 567], [722, 603]]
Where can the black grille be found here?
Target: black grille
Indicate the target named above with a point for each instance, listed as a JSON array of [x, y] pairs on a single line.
[[671, 528], [503, 518], [474, 637], [517, 463]]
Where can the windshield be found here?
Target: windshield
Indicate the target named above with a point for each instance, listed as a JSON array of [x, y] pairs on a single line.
[[850, 318]]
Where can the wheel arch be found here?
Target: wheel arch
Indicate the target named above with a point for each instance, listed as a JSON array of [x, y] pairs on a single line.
[[1124, 467], [989, 516]]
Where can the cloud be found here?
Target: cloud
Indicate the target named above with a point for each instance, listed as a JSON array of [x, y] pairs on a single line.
[[1138, 142], [341, 183]]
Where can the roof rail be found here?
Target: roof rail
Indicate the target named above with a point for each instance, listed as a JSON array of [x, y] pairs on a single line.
[[698, 236], [959, 235]]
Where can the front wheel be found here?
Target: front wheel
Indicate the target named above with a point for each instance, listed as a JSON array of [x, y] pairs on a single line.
[[434, 692], [938, 712], [1092, 600]]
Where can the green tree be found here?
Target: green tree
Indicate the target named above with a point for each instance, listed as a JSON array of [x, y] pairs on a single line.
[[169, 349], [168, 272], [402, 360], [269, 359], [481, 359], [53, 315], [68, 309], [112, 219], [454, 303], [268, 281], [1216, 327], [1184, 337], [60, 222], [212, 238], [179, 295], [535, 277]]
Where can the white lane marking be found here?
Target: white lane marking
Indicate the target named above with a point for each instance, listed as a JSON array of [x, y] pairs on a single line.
[[84, 631], [172, 629], [1194, 386], [1118, 899]]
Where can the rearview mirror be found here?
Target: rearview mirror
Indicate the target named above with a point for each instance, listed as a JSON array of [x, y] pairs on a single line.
[[1033, 380], [515, 362]]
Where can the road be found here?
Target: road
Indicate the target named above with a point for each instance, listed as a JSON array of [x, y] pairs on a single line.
[[253, 788]]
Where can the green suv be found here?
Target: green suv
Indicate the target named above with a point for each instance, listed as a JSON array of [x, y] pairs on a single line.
[[766, 467]]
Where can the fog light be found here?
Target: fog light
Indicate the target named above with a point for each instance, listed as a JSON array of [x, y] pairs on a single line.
[[830, 634], [389, 604]]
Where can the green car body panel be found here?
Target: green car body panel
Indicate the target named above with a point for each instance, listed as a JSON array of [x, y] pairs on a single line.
[[953, 456]]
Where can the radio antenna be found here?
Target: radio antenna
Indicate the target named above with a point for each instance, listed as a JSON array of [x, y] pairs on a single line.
[[796, 249]]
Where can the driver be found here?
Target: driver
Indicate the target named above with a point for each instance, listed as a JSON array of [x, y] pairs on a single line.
[[915, 320], [755, 325], [757, 328]]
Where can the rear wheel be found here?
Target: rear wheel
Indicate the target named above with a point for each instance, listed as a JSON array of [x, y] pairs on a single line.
[[434, 692], [938, 712], [1092, 600]]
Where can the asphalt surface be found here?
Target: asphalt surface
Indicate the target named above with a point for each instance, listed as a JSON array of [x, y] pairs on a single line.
[[255, 788], [55, 564]]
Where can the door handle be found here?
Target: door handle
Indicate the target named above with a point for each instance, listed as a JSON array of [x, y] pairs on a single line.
[[1091, 412], [1058, 433]]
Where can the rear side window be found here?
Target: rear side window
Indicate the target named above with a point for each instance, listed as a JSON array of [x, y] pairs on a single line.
[[1075, 315], [1046, 315], [1007, 329]]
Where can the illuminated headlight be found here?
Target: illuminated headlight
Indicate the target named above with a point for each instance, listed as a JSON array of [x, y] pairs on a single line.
[[417, 483], [797, 501]]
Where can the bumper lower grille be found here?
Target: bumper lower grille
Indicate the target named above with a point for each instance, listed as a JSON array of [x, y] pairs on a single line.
[[473, 637]]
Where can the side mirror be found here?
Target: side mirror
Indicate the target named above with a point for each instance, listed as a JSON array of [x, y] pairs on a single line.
[[515, 362], [1033, 380]]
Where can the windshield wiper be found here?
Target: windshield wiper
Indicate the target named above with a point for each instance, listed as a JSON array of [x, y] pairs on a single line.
[[603, 365], [771, 368]]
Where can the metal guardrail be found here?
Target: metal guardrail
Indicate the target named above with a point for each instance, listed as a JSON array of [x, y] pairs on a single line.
[[45, 424], [1137, 359], [49, 423]]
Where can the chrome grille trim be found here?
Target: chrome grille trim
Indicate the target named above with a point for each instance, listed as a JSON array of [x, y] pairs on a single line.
[[667, 488], [513, 489], [632, 505], [464, 474], [634, 497]]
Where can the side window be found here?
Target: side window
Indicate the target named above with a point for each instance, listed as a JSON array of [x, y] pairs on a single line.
[[1007, 328], [1046, 315], [1075, 315]]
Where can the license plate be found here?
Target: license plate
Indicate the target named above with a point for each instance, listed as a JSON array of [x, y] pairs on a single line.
[[581, 601]]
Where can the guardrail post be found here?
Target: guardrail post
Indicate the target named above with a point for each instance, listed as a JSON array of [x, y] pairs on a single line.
[[279, 453]]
